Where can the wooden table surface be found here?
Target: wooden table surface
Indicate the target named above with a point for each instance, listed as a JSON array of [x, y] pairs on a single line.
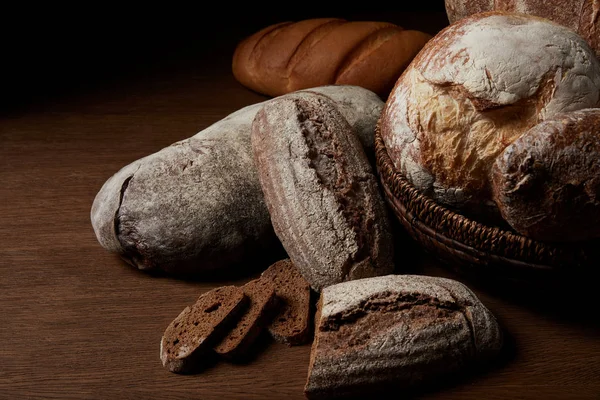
[[78, 323]]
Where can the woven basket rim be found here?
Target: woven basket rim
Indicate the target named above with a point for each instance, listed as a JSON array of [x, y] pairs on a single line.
[[469, 239]]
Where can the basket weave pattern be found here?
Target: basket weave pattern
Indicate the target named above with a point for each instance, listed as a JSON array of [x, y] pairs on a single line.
[[464, 241]]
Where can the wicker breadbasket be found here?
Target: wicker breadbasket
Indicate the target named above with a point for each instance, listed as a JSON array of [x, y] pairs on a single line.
[[469, 246]]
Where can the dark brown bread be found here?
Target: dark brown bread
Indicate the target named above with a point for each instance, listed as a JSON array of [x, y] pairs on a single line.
[[321, 192], [262, 299], [289, 56], [197, 328], [396, 330], [292, 324], [547, 182]]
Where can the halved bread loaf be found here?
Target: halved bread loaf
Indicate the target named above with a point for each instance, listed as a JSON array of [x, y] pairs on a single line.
[[292, 324], [197, 327], [396, 331], [262, 299]]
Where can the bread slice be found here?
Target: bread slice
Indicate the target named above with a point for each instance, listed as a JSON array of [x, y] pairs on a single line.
[[292, 324], [397, 332], [197, 328], [261, 295]]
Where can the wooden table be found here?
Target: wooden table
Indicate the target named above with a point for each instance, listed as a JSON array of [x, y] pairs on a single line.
[[78, 323]]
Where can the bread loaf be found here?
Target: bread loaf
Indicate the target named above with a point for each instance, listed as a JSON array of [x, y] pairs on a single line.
[[400, 330], [321, 191], [197, 205], [547, 182], [579, 15], [290, 56], [474, 89]]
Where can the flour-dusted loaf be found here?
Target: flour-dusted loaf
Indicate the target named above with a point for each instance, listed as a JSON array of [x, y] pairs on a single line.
[[293, 55], [197, 205], [547, 182], [292, 323], [579, 15], [474, 89], [258, 314], [399, 330], [322, 194], [198, 327]]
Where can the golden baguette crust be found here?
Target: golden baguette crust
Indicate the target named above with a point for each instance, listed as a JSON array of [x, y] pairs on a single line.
[[290, 56]]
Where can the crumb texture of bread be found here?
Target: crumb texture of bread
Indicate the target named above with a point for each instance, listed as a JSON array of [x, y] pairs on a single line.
[[322, 194], [399, 330], [197, 327], [464, 99], [262, 300], [291, 325]]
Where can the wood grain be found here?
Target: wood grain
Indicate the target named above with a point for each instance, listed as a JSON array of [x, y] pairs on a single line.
[[78, 323]]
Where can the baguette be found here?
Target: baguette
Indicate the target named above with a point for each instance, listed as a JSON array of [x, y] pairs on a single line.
[[290, 56]]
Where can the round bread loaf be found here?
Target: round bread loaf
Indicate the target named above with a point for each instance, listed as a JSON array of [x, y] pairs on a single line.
[[547, 183], [579, 15], [474, 89]]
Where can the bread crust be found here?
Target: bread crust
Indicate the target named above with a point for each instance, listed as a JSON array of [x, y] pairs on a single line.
[[547, 182], [321, 192], [400, 330], [197, 206], [463, 100], [579, 15], [290, 56]]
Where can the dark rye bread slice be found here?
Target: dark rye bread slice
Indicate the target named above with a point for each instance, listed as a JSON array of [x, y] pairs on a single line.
[[262, 299], [292, 324], [197, 328]]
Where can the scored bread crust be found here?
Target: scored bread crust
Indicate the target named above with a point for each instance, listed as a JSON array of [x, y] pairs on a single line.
[[321, 192], [464, 98], [397, 330], [290, 56]]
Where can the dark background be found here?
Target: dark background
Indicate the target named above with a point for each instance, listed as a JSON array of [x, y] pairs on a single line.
[[51, 52]]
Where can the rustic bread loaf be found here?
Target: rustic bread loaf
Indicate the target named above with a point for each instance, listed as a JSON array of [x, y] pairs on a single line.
[[579, 15], [400, 330], [292, 323], [547, 182], [262, 301], [197, 205], [289, 56], [197, 328], [465, 98], [320, 190]]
